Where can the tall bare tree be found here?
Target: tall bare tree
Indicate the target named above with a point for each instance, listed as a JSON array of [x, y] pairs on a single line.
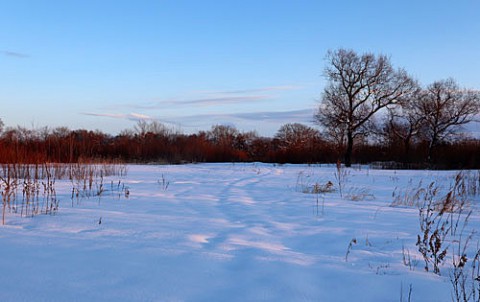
[[445, 108], [358, 87]]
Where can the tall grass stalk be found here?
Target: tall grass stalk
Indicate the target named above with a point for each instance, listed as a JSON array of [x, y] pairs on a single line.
[[86, 178], [341, 175]]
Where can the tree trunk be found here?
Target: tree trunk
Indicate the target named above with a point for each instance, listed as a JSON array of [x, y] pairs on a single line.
[[431, 149], [406, 146], [348, 151]]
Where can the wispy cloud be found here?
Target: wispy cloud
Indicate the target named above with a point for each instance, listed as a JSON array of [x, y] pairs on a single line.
[[215, 107], [262, 90], [301, 116], [217, 98], [223, 100], [128, 116], [267, 122], [200, 102], [14, 54], [274, 117]]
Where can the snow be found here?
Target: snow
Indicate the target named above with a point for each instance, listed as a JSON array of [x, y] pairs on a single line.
[[226, 232]]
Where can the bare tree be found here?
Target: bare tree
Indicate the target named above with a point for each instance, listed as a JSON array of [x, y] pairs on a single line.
[[223, 135], [296, 135], [445, 108], [359, 87], [61, 132], [153, 127]]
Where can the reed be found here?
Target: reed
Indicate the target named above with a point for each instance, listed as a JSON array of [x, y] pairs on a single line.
[[30, 189]]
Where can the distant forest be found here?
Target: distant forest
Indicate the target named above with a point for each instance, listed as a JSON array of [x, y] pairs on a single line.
[[153, 142], [369, 112]]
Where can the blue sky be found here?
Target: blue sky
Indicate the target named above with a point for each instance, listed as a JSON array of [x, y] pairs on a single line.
[[256, 65]]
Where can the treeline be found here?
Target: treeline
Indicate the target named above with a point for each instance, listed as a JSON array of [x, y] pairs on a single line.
[[369, 112], [153, 142]]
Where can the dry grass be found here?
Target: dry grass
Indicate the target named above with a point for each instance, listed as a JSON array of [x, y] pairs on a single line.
[[29, 190], [359, 194]]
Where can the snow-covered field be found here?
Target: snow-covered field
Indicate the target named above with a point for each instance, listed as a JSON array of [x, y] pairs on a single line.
[[227, 232]]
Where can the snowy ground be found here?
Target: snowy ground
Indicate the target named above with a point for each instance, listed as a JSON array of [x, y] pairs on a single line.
[[226, 232]]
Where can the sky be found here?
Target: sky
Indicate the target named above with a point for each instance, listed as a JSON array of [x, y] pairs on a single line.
[[252, 64]]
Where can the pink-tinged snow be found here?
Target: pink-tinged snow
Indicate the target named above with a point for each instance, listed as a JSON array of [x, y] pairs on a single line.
[[224, 232]]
